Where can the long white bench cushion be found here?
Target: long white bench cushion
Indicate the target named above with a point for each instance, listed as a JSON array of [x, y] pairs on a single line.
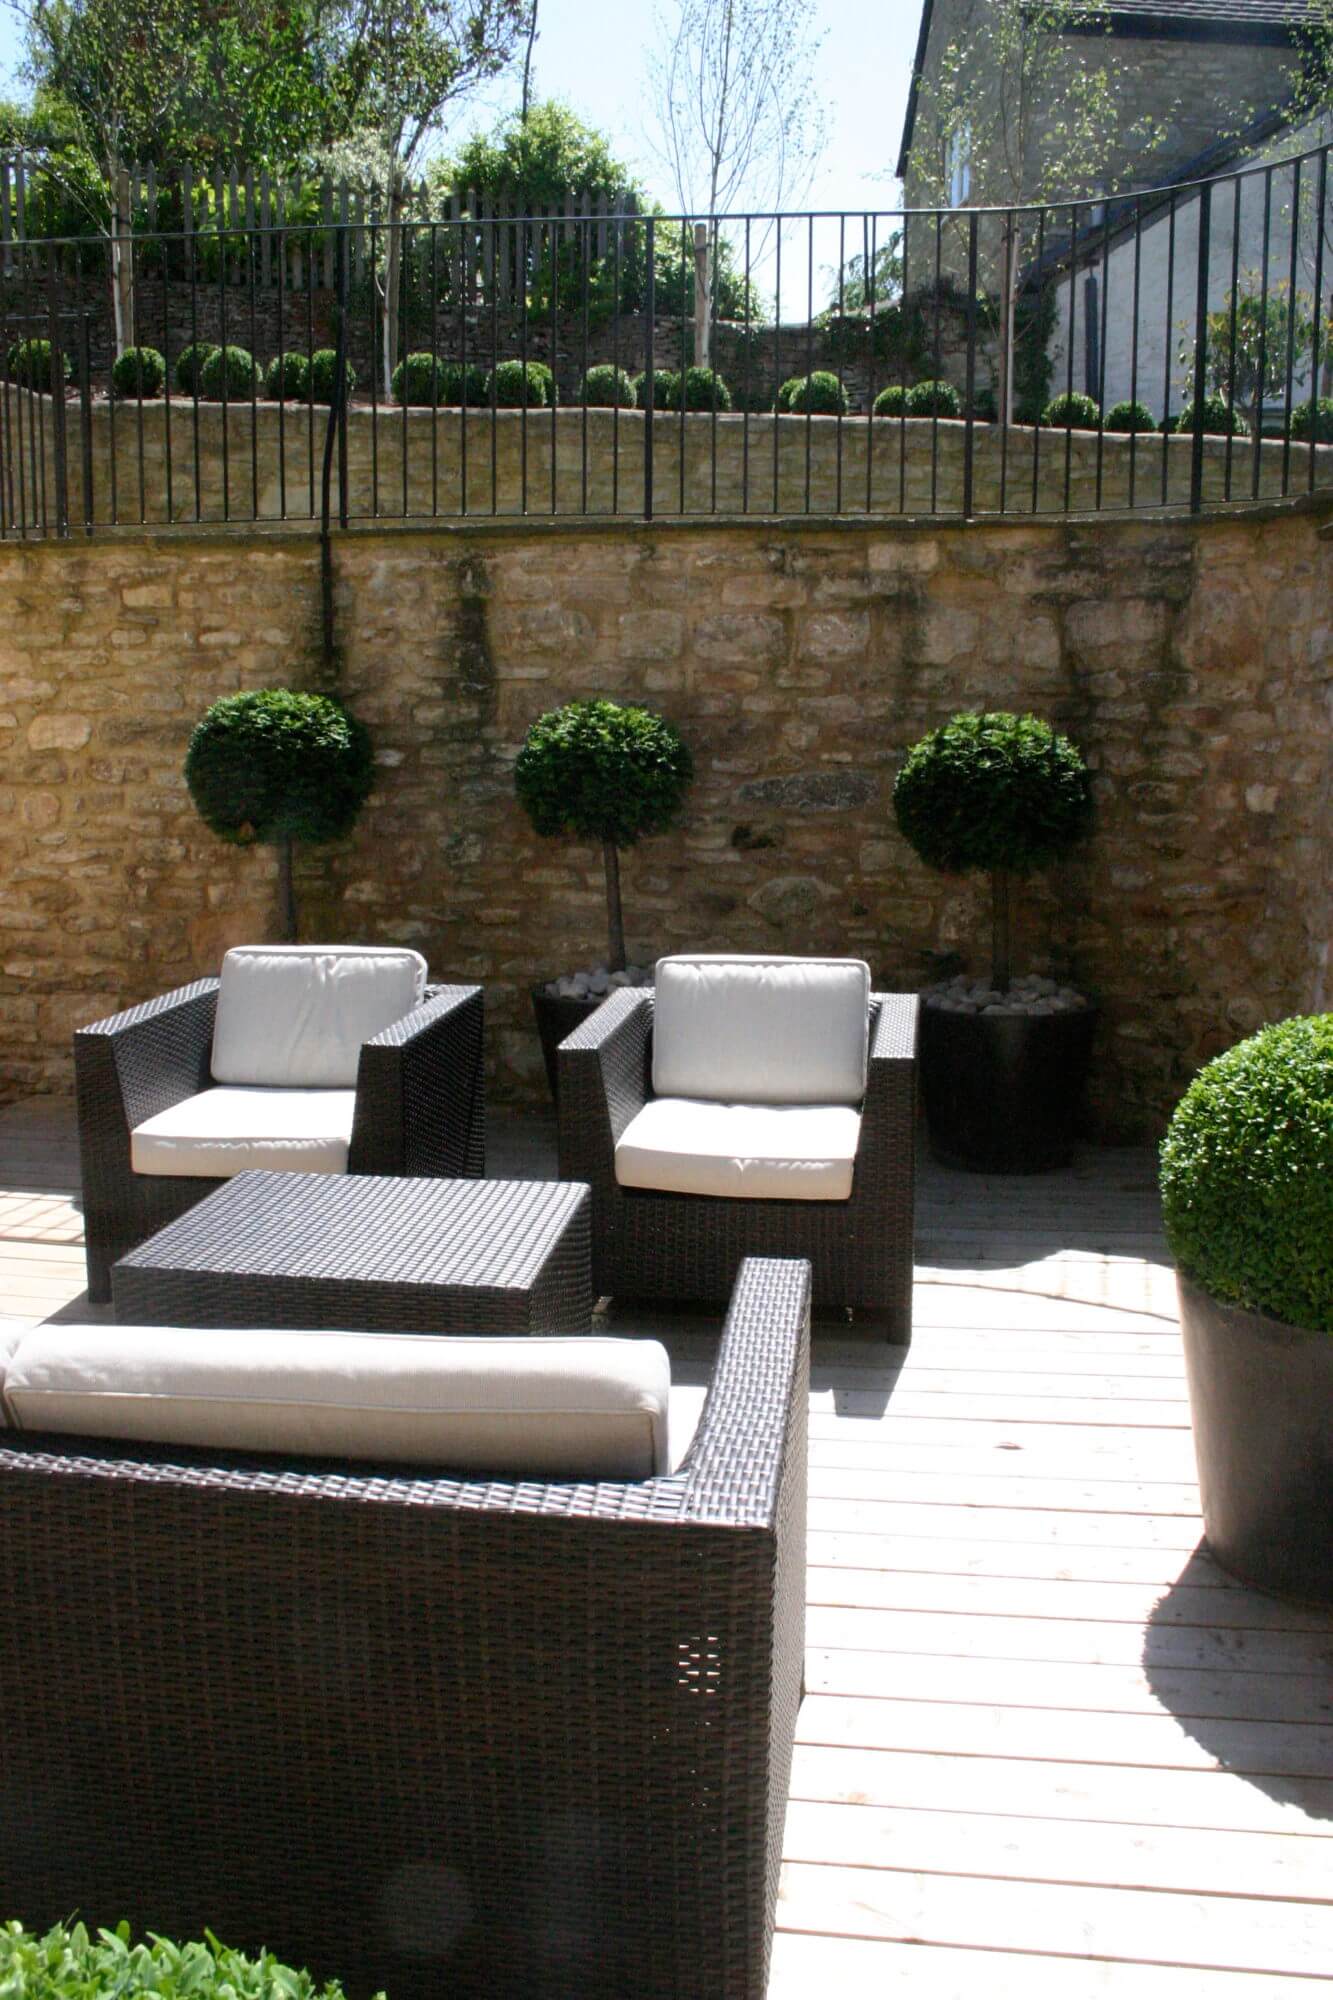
[[222, 1132], [10, 1337], [764, 1152], [578, 1408], [753, 1030], [294, 1016]]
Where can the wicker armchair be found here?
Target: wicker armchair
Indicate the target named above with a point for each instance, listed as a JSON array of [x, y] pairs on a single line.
[[648, 1243], [465, 1740], [420, 1106]]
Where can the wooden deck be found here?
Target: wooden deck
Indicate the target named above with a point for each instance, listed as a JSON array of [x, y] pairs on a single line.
[[1048, 1750]]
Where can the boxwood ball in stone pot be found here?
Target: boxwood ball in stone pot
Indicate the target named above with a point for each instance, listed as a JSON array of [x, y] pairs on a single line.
[[1247, 1197], [598, 771], [1002, 1062]]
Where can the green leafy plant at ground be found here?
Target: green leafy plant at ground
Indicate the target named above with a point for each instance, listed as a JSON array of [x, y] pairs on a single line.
[[139, 371], [1247, 343], [1219, 419], [416, 381], [1314, 420], [1073, 411], [70, 1963], [605, 387], [1128, 416], [30, 363], [1034, 323], [990, 791], [228, 371], [666, 389], [986, 406], [820, 393], [934, 399], [1247, 1175], [287, 378], [515, 385], [324, 374], [463, 384], [786, 390], [596, 770], [891, 402], [190, 363], [696, 389], [275, 766]]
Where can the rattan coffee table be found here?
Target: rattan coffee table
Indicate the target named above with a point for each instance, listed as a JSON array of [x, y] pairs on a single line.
[[368, 1251]]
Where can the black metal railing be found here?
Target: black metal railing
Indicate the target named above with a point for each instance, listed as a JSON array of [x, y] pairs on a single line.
[[1169, 348]]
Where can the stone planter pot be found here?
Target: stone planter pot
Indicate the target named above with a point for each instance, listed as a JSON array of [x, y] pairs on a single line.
[[558, 1015], [1261, 1401], [1003, 1092]]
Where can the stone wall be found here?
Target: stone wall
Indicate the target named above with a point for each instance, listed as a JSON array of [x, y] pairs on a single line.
[[1190, 659]]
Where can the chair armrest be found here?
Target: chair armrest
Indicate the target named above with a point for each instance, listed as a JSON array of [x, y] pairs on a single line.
[[604, 1074], [752, 1429], [133, 1065], [888, 1119], [420, 1096]]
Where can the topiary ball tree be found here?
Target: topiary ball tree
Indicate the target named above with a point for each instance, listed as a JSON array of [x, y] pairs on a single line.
[[139, 371], [1071, 410], [190, 366], [819, 394], [275, 766], [1219, 418], [595, 770], [934, 399], [891, 402], [517, 385], [287, 378], [1314, 420], [228, 374], [606, 387], [993, 791], [324, 375], [1129, 417], [416, 381], [1247, 1175]]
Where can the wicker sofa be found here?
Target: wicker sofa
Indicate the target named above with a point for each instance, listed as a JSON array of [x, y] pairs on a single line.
[[655, 1242], [449, 1739], [420, 1106]]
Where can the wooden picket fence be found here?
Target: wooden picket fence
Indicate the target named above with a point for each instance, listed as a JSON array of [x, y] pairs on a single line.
[[482, 244]]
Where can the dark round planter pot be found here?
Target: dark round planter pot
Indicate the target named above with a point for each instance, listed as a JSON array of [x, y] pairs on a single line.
[[557, 1016], [1003, 1092], [1261, 1400]]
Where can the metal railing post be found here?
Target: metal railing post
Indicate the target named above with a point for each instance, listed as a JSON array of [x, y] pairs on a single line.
[[650, 364], [971, 374], [1200, 346], [57, 385]]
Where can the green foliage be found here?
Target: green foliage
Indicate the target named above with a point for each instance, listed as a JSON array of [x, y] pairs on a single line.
[[699, 388], [1034, 323], [871, 280], [606, 386], [666, 389], [1129, 416], [68, 1964], [786, 390], [460, 385], [324, 375], [985, 406], [139, 371], [1247, 1175], [990, 790], [416, 381], [516, 385], [820, 393], [229, 370], [1314, 420], [1219, 420], [537, 161], [1247, 342], [934, 399], [1073, 411], [599, 771], [275, 764], [891, 402], [30, 363], [190, 365], [287, 378]]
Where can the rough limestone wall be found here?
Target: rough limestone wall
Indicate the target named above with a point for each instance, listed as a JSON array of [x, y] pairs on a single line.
[[1191, 660]]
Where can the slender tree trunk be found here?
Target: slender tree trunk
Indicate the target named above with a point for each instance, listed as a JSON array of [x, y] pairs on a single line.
[[615, 922], [122, 255], [527, 66], [286, 892], [1008, 318], [393, 259], [702, 296], [999, 930]]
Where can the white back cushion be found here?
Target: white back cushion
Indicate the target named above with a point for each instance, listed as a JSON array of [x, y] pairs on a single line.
[[294, 1016], [511, 1408], [759, 1030]]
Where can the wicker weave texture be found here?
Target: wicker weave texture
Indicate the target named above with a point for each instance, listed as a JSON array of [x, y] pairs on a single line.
[[420, 1106], [649, 1244], [456, 1740], [373, 1251]]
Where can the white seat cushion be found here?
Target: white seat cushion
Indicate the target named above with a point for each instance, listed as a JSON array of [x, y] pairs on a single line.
[[513, 1408], [222, 1132], [745, 1030], [295, 1016], [756, 1152]]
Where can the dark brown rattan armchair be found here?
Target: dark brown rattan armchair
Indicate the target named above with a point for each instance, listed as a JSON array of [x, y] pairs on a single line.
[[455, 1740], [656, 1244], [420, 1106]]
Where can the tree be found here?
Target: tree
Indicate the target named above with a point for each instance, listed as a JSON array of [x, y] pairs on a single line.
[[737, 118], [1247, 344], [1023, 107]]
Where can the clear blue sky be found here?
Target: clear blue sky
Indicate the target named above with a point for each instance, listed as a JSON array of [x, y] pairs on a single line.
[[591, 54]]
